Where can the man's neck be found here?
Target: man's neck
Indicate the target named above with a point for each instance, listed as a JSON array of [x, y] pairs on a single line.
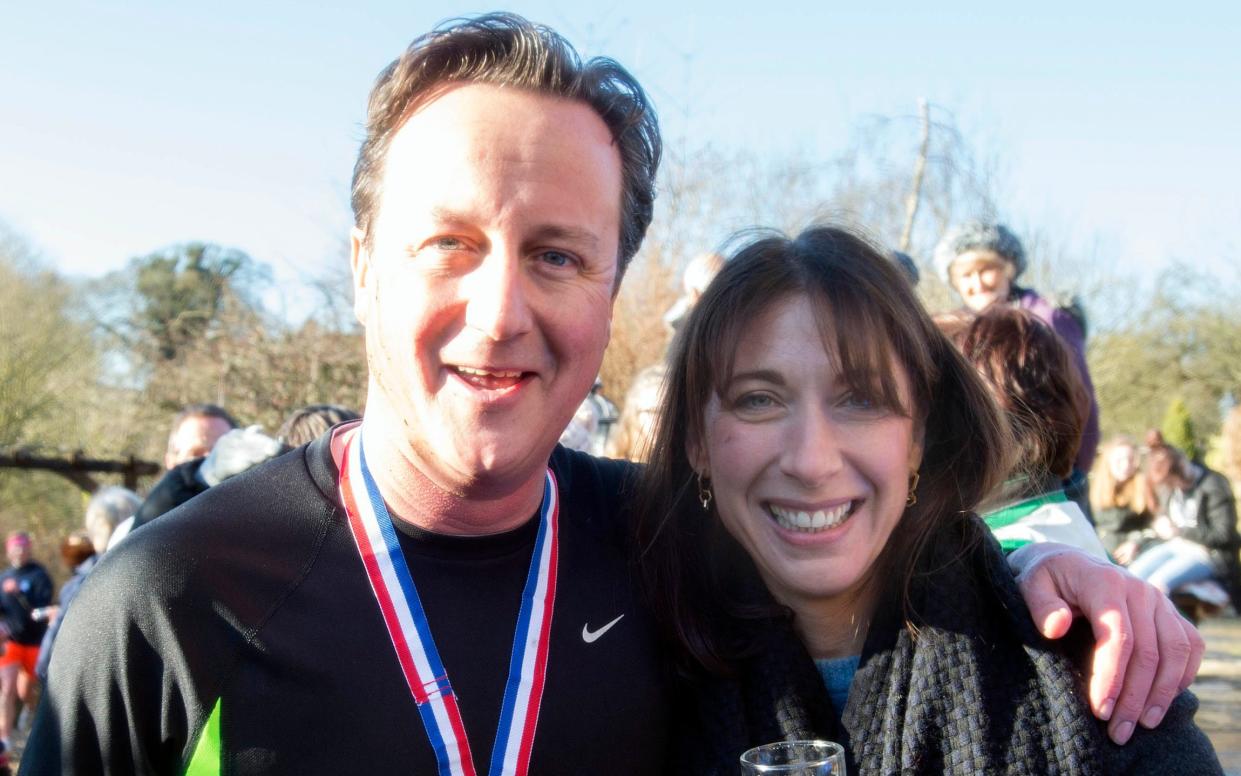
[[416, 499]]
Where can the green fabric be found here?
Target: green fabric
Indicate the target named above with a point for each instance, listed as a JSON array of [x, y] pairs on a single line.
[[1008, 545], [1005, 517], [206, 759]]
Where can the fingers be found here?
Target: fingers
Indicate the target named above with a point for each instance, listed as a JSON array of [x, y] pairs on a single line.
[[1143, 601], [1197, 648], [1050, 612], [1180, 654], [1113, 647]]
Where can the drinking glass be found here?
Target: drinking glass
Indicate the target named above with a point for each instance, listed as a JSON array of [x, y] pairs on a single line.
[[795, 758]]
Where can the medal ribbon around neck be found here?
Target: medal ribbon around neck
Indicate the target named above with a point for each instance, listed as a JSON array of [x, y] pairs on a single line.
[[410, 632]]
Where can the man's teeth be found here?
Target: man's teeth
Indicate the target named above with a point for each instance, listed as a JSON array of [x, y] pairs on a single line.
[[819, 520], [465, 370]]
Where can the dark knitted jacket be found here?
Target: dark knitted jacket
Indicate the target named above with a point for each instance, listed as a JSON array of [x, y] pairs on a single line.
[[977, 691]]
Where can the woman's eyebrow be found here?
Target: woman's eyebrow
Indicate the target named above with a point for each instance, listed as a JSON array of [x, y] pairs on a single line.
[[762, 375]]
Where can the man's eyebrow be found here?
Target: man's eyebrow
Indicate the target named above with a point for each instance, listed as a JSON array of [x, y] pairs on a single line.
[[443, 215], [583, 237], [574, 234]]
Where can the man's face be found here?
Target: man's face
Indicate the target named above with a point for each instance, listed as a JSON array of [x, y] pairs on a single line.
[[194, 438], [487, 289], [18, 552]]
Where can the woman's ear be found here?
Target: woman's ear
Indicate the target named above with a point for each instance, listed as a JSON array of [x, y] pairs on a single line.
[[917, 445], [698, 458]]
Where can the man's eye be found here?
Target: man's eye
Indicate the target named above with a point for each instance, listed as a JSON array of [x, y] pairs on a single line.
[[447, 243], [556, 258]]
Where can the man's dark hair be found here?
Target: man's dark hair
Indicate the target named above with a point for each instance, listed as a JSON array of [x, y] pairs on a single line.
[[202, 411], [503, 49]]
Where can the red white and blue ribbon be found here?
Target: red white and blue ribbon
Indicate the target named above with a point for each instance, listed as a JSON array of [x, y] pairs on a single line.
[[410, 632]]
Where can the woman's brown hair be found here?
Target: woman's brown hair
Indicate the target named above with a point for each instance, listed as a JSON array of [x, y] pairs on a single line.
[[870, 319], [1037, 385]]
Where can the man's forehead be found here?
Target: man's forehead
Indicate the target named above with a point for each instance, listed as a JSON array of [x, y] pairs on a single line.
[[197, 426]]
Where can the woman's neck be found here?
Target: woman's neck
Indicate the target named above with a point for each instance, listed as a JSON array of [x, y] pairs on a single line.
[[834, 627]]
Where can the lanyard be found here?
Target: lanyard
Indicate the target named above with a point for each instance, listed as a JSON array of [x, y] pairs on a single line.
[[410, 632]]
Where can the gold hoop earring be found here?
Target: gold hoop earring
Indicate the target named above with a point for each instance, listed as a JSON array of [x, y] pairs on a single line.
[[912, 498], [704, 492]]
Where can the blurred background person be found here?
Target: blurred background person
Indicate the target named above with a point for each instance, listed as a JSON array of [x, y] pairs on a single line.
[[1031, 376], [306, 424], [216, 458], [195, 430], [698, 274], [81, 550], [24, 587], [1118, 498], [631, 439], [592, 424], [1196, 526], [982, 262], [907, 265]]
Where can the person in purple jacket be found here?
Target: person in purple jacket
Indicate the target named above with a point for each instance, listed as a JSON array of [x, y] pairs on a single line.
[[982, 261]]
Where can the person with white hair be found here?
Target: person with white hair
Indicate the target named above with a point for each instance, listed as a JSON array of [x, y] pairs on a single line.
[[108, 508], [981, 262]]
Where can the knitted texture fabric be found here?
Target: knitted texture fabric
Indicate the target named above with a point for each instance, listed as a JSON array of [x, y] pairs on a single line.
[[976, 690]]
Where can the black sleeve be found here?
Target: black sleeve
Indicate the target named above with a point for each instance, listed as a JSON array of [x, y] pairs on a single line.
[[177, 486], [1217, 515], [1117, 525], [125, 691], [41, 590]]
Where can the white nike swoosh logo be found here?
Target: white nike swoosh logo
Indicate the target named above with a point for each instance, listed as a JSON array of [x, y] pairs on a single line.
[[591, 637]]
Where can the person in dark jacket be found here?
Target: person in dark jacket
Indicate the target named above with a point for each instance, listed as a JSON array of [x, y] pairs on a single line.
[[80, 551], [1198, 526], [24, 587], [809, 541]]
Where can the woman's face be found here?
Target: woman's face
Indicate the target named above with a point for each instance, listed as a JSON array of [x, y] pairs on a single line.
[[981, 278], [1122, 462], [808, 477]]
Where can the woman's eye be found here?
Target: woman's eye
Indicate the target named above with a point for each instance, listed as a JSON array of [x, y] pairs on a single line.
[[755, 401], [858, 401]]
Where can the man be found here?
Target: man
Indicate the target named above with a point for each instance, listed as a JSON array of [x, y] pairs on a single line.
[[205, 448], [352, 606], [195, 430], [24, 587]]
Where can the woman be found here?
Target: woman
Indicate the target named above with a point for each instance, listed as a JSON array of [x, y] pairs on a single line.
[[1198, 532], [1118, 498], [808, 497], [1030, 372], [981, 262]]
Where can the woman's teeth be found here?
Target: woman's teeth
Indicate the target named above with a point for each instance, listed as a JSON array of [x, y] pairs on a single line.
[[811, 522]]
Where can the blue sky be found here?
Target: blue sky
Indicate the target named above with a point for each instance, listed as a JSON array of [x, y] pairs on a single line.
[[128, 127]]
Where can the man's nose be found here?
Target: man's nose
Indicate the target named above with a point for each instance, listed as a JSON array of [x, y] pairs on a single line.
[[496, 302], [812, 451]]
